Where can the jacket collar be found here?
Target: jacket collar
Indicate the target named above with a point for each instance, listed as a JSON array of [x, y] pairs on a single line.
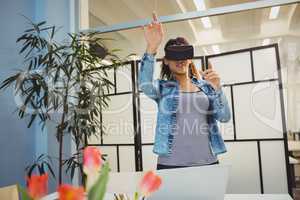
[[201, 84]]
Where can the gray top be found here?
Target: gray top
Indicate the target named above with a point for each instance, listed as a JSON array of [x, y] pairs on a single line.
[[191, 142]]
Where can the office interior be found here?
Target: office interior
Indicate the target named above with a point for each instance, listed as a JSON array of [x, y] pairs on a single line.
[[256, 51]]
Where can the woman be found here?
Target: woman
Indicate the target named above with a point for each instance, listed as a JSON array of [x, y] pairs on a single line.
[[189, 103]]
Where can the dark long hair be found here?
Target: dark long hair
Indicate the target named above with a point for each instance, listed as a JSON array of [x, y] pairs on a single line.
[[165, 72]]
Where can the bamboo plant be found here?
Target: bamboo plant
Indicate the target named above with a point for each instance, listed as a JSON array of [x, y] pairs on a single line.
[[63, 83]]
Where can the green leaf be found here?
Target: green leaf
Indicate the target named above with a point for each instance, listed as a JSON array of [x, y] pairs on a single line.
[[31, 120], [98, 190], [41, 169], [50, 169], [24, 47], [23, 37], [41, 23], [30, 65], [136, 196], [29, 30], [40, 157], [23, 194], [52, 32], [31, 169], [29, 52], [9, 81], [73, 171]]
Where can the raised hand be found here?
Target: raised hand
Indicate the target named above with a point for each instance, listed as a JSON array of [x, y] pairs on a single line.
[[197, 73], [153, 34], [212, 77]]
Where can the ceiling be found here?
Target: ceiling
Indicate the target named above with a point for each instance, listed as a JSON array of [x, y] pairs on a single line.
[[230, 31]]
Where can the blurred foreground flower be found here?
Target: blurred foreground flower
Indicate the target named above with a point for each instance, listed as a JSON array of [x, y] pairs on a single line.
[[37, 186], [92, 163], [68, 192], [150, 183], [97, 178], [91, 160]]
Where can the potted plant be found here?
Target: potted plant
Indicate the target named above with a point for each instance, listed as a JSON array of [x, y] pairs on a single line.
[[63, 83]]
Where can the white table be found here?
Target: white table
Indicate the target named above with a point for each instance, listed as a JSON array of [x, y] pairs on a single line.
[[127, 182], [257, 197], [242, 197], [108, 196]]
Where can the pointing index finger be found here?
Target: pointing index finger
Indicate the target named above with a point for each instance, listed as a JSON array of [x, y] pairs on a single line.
[[154, 16], [209, 65]]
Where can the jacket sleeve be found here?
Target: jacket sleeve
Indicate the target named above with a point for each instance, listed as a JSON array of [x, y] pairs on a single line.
[[146, 83], [221, 107]]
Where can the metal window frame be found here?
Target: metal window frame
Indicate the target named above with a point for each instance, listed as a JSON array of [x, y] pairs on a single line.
[[284, 126]]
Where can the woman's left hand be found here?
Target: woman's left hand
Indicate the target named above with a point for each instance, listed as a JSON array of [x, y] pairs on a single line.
[[212, 77]]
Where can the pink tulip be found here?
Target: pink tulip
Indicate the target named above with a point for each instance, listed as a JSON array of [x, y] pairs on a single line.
[[91, 160], [91, 165], [68, 192], [37, 186], [150, 183]]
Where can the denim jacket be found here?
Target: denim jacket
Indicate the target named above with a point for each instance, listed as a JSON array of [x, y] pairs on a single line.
[[165, 94]]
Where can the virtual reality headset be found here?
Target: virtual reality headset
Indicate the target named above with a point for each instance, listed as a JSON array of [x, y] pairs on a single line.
[[179, 52]]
